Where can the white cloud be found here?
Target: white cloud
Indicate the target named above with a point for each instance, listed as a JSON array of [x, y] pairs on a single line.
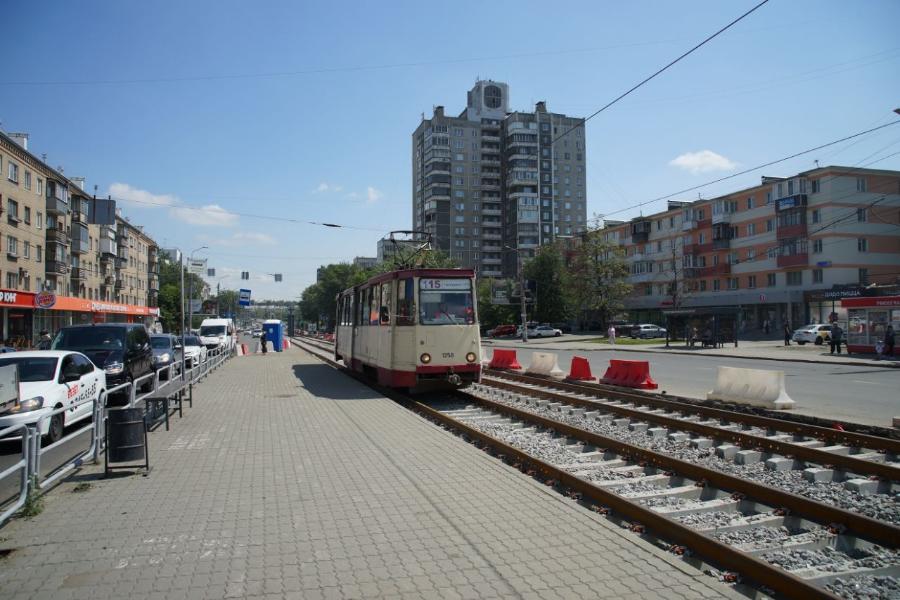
[[373, 195], [123, 191], [703, 162], [250, 237], [210, 214], [327, 187]]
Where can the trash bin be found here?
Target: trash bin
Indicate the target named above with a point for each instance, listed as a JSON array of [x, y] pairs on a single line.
[[126, 437], [274, 333]]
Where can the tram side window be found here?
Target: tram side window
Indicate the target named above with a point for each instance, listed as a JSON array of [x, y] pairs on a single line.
[[406, 306], [385, 312], [373, 305]]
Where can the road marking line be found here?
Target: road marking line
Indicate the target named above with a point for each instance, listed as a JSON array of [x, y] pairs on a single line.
[[861, 381]]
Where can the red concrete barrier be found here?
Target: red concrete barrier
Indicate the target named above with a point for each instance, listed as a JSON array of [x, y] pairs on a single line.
[[629, 373], [284, 344], [504, 359], [580, 370], [244, 350]]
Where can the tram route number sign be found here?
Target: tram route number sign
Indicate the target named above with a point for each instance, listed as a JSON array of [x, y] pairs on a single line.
[[445, 284]]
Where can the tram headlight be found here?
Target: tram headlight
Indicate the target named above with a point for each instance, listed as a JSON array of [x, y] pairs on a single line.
[[425, 358], [471, 357]]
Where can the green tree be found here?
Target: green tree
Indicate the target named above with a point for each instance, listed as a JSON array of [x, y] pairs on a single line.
[[548, 270], [598, 278], [318, 301], [489, 314], [170, 293]]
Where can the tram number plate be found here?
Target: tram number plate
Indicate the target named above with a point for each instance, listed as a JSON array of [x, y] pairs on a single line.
[[447, 355], [445, 284]]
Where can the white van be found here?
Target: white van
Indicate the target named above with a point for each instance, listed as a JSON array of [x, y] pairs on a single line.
[[217, 333]]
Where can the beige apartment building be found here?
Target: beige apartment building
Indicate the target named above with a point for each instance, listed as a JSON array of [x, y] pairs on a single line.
[[61, 264], [785, 251]]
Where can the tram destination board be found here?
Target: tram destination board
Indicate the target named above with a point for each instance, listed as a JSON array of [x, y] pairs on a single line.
[[445, 284]]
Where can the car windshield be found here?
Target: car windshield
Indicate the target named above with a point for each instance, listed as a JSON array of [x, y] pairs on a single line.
[[446, 302], [211, 330], [192, 340], [160, 342], [89, 338], [32, 369]]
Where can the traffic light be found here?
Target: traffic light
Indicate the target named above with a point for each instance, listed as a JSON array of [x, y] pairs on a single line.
[[245, 274], [277, 276]]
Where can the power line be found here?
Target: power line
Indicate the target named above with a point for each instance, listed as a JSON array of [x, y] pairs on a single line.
[[660, 71], [750, 170]]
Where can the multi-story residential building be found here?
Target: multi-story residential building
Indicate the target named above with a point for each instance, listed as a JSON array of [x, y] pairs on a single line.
[[136, 267], [491, 185], [58, 256], [365, 262], [783, 251]]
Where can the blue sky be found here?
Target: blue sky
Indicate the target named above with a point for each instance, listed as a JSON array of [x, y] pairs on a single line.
[[304, 111]]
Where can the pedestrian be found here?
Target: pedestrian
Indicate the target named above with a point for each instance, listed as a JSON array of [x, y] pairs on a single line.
[[787, 333], [262, 341], [837, 335], [611, 332], [766, 326], [44, 341], [889, 340]]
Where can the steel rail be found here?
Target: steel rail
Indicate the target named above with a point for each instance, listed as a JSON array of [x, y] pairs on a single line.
[[711, 550], [886, 534], [787, 449], [847, 438]]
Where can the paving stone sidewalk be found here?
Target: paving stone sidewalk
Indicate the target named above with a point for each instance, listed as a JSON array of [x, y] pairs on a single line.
[[289, 480]]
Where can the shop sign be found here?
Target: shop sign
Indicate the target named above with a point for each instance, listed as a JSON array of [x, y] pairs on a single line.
[[44, 300], [8, 297]]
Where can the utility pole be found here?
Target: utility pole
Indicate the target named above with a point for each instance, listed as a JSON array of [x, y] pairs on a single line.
[[191, 290], [522, 298], [181, 268]]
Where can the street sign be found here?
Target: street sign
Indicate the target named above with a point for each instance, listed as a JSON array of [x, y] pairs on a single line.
[[196, 305], [244, 297], [197, 266]]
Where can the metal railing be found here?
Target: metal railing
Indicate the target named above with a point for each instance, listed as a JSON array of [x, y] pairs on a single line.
[[28, 467]]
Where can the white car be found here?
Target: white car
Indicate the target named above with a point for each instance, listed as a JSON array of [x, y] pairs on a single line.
[[50, 379], [194, 351], [544, 331], [647, 331], [812, 334]]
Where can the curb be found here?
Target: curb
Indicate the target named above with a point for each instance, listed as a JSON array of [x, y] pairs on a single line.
[[883, 364]]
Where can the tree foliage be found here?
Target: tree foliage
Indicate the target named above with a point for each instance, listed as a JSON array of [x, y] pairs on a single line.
[[490, 314], [170, 293], [317, 303], [598, 279], [552, 295]]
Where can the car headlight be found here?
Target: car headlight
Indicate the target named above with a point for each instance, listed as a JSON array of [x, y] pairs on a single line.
[[114, 368], [164, 357], [425, 358], [27, 405], [471, 357]]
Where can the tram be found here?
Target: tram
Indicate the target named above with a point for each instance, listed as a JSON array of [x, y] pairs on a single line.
[[414, 328]]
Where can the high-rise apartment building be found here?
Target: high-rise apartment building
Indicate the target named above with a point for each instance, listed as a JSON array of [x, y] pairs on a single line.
[[491, 185]]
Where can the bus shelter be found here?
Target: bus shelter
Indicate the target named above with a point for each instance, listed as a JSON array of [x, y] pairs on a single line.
[[703, 327], [868, 319]]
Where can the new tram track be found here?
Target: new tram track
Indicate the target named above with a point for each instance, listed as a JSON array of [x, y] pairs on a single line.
[[784, 543]]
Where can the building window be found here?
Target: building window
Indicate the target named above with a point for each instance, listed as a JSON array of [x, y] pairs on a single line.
[[751, 254], [861, 215], [817, 276], [751, 229], [716, 285], [12, 207], [40, 187], [702, 285], [815, 186], [12, 172], [860, 184], [817, 246], [12, 245], [749, 203], [751, 281], [38, 255], [770, 280], [733, 283], [770, 225], [794, 277], [864, 277], [862, 244], [26, 249], [27, 180], [12, 280], [816, 215]]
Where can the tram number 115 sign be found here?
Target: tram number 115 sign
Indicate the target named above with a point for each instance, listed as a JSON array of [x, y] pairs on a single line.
[[444, 284]]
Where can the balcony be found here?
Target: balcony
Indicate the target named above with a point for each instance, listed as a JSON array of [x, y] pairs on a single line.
[[121, 263], [153, 282], [58, 236], [491, 212], [795, 201], [79, 217], [55, 267], [793, 260], [120, 284], [491, 248], [721, 244], [721, 218], [698, 272], [492, 261], [107, 249], [123, 253], [108, 280], [491, 236], [797, 230], [55, 206], [491, 273], [78, 273], [490, 137], [698, 248]]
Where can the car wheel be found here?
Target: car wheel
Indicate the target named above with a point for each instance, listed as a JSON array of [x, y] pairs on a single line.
[[557, 334], [801, 343], [56, 428]]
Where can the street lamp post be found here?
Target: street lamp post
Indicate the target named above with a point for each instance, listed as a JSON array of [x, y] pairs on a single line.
[[191, 289]]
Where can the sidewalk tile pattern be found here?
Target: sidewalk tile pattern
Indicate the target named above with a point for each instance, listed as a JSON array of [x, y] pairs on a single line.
[[289, 480]]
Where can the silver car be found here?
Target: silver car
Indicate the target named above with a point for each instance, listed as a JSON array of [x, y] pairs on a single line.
[[167, 350]]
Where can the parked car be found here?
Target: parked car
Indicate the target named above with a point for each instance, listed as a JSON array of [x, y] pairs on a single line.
[[647, 331], [50, 379], [503, 331], [122, 350], [166, 351], [194, 351], [812, 334], [544, 331], [564, 327]]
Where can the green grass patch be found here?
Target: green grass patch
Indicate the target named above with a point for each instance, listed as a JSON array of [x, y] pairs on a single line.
[[630, 341]]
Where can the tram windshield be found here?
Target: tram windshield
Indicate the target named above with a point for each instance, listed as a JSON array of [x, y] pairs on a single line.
[[446, 302]]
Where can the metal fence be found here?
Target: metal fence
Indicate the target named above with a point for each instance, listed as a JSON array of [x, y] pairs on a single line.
[[176, 387]]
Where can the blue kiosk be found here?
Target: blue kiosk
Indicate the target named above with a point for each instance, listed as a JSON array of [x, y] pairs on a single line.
[[274, 333]]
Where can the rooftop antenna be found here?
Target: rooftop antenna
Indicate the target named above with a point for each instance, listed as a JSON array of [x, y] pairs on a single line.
[[817, 163]]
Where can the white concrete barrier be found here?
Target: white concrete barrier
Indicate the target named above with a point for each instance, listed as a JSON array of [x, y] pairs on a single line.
[[240, 349], [756, 387], [545, 363]]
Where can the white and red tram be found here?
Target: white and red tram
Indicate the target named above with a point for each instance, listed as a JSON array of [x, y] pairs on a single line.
[[411, 328]]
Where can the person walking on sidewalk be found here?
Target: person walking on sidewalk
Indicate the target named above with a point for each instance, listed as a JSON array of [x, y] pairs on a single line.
[[766, 326], [611, 332], [787, 333], [262, 341], [45, 341], [837, 335]]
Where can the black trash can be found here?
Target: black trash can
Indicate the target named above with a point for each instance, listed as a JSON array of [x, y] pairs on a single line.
[[126, 437]]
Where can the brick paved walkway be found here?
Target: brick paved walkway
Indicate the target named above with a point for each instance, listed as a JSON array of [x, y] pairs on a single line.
[[288, 480]]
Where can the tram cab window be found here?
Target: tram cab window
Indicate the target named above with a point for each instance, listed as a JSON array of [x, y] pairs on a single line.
[[406, 303], [385, 310], [446, 302]]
